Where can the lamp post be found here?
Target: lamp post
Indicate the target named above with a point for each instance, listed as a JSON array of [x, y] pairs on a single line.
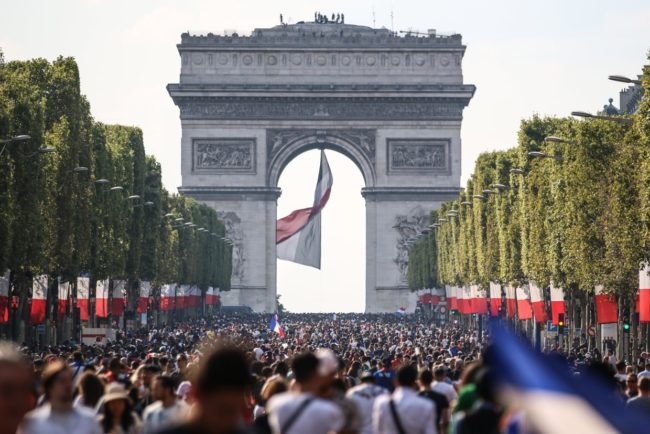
[[16, 139], [624, 79], [617, 119]]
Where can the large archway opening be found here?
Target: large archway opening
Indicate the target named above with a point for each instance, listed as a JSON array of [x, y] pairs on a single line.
[[339, 286]]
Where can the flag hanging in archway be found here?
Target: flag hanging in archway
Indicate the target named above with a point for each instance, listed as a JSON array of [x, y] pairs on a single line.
[[298, 235]]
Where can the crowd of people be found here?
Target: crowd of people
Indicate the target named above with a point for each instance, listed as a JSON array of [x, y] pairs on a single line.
[[346, 373]]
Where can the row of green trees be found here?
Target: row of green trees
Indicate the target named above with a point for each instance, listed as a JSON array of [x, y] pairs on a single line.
[[575, 211], [63, 212]]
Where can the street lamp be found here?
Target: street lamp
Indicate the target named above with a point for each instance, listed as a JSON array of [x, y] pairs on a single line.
[[466, 203], [620, 120], [556, 139], [148, 203], [488, 192], [624, 79], [117, 188], [499, 186], [478, 196], [15, 139], [517, 171], [134, 197], [102, 181]]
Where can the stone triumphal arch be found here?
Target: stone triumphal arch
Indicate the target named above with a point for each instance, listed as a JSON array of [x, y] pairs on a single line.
[[250, 104]]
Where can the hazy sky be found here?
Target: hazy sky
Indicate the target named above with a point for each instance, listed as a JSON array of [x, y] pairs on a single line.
[[525, 57]]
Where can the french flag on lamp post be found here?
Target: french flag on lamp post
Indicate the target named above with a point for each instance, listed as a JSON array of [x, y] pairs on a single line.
[[537, 301], [4, 297], [524, 309], [557, 303], [39, 299], [83, 294], [495, 299], [551, 398], [606, 309], [276, 327], [643, 301]]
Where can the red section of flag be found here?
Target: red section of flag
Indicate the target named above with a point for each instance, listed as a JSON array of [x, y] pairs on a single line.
[[143, 304], [101, 299], [4, 309], [606, 309]]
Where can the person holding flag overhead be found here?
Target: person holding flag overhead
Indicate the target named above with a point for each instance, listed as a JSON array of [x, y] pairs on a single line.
[[275, 326]]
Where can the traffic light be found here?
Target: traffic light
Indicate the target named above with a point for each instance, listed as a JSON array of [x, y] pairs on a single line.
[[626, 326], [560, 324]]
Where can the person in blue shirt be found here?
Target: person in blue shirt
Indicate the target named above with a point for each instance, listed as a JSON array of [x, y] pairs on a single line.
[[385, 377]]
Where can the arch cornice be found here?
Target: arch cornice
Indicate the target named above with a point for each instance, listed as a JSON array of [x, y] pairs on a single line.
[[283, 145]]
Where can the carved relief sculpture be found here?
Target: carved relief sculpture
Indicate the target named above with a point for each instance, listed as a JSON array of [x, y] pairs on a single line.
[[224, 154], [236, 235], [408, 226], [419, 155]]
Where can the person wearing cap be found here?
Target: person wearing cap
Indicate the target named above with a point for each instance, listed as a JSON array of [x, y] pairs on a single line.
[[57, 415], [117, 416], [303, 410], [364, 396]]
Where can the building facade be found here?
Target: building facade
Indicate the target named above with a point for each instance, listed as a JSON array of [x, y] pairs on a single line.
[[250, 104]]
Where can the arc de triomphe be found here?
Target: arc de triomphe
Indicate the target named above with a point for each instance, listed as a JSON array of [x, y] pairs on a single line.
[[250, 104]]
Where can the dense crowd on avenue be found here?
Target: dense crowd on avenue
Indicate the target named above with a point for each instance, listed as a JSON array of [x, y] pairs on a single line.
[[319, 373]]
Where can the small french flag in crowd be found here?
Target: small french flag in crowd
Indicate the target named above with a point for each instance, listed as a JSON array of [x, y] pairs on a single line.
[[400, 311], [551, 398], [276, 327]]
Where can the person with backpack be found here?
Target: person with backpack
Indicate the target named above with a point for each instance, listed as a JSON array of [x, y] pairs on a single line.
[[404, 412]]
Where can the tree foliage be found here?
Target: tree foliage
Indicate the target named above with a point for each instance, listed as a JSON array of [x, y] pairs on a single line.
[[577, 216]]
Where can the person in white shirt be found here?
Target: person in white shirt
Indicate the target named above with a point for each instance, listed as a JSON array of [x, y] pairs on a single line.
[[404, 412], [58, 416], [302, 410], [364, 396], [646, 372], [167, 410], [442, 386]]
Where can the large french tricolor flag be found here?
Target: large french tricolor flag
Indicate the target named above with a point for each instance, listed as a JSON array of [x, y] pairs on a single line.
[[298, 235], [275, 326], [554, 400]]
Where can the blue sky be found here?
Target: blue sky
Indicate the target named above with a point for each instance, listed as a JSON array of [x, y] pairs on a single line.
[[525, 57]]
